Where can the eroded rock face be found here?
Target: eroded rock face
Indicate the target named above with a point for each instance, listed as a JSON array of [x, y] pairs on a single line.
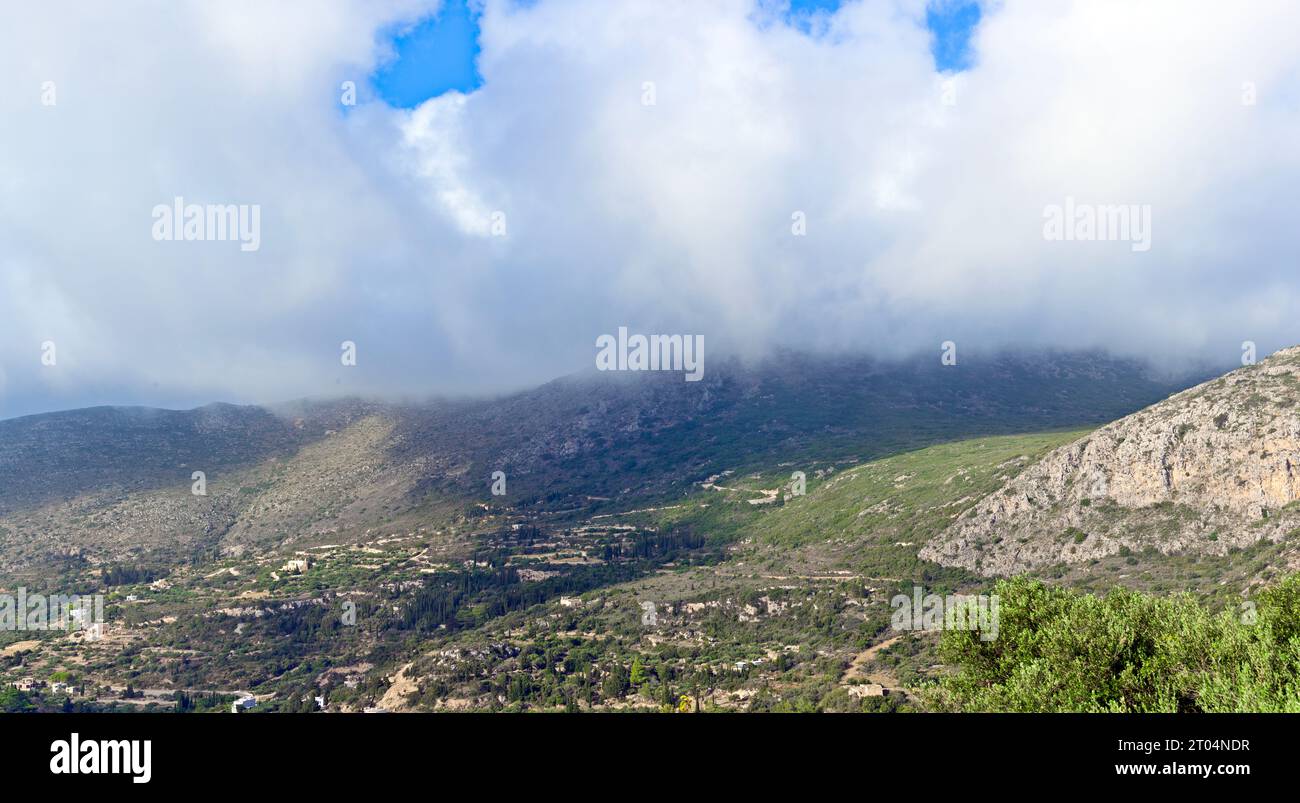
[[1213, 467]]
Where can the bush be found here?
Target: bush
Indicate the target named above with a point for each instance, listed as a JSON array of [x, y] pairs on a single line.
[[1061, 650]]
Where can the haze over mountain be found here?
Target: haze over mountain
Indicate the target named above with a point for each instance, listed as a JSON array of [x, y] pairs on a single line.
[[922, 190]]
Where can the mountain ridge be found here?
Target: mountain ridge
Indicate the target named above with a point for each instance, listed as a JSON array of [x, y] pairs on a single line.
[[104, 483]]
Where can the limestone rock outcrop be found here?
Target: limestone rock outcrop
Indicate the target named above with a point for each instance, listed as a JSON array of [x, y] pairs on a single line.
[[1214, 467]]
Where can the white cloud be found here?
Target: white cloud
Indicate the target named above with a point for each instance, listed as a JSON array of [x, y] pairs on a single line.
[[924, 220]]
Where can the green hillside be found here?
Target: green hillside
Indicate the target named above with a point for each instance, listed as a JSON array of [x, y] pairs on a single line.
[[907, 497]]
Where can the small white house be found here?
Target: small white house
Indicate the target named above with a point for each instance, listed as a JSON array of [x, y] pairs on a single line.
[[243, 704]]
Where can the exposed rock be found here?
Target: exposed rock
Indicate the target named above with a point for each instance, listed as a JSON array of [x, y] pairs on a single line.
[[1208, 469], [867, 690]]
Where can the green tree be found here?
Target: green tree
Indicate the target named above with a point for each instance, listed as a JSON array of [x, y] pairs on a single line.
[[13, 701], [638, 673]]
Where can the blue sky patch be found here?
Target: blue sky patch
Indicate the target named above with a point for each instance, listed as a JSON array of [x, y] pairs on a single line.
[[951, 23], [804, 13], [438, 55]]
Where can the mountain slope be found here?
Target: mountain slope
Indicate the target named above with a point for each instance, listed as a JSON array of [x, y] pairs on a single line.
[[796, 598], [1212, 469], [614, 435], [108, 484], [56, 456]]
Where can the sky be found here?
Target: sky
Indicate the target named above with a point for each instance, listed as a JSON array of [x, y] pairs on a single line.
[[471, 195]]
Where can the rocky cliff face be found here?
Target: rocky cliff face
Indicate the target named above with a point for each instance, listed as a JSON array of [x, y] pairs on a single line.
[[1214, 467]]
